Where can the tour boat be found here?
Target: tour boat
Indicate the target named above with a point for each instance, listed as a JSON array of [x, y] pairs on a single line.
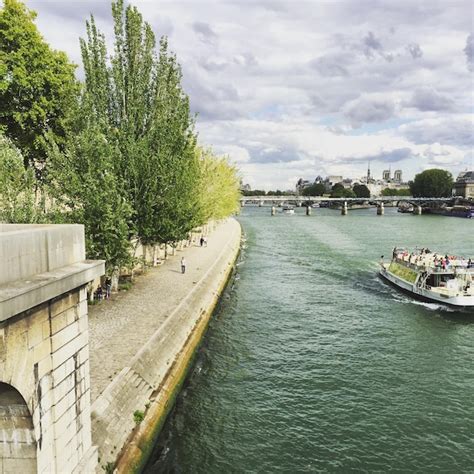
[[455, 211], [432, 277], [289, 210]]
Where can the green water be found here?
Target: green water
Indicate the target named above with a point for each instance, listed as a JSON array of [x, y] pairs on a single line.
[[313, 364]]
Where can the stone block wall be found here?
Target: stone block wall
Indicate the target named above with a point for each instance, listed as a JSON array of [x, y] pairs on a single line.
[[45, 356]]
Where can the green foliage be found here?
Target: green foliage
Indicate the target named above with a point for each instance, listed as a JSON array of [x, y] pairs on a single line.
[[316, 189], [339, 191], [122, 153], [138, 416], [83, 181], [396, 192], [218, 188], [18, 203], [361, 190], [432, 183], [254, 192], [37, 84], [109, 468], [139, 101]]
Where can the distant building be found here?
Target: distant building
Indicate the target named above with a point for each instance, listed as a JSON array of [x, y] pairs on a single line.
[[347, 183], [331, 180], [301, 184], [245, 187], [464, 185], [397, 176]]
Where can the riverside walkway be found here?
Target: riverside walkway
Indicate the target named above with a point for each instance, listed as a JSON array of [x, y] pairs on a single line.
[[119, 328]]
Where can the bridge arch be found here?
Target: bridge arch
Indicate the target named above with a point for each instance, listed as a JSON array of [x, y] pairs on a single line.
[[17, 437]]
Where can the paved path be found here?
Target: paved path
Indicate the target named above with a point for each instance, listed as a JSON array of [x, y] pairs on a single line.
[[120, 327]]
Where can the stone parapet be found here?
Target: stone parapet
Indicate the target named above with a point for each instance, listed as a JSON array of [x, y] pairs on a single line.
[[44, 356]]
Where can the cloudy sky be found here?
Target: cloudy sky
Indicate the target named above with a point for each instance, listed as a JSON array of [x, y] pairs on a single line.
[[292, 89]]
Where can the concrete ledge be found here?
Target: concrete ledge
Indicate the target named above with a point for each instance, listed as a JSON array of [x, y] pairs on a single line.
[[28, 249], [19, 296]]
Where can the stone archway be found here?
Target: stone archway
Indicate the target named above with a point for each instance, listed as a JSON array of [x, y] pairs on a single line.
[[17, 437]]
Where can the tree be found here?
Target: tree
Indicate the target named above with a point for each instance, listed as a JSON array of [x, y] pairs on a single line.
[[219, 187], [432, 183], [139, 102], [37, 84], [316, 189], [83, 182], [339, 191], [361, 190], [396, 192], [18, 202]]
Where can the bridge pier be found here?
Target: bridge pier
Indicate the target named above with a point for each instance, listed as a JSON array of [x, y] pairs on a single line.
[[273, 210], [344, 209], [417, 210], [380, 209], [260, 203], [308, 210], [44, 353]]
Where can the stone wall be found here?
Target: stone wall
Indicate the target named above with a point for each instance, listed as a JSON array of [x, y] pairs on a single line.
[[44, 354]]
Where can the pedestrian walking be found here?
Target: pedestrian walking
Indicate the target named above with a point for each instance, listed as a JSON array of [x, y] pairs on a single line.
[[201, 240], [108, 287], [205, 241], [183, 265]]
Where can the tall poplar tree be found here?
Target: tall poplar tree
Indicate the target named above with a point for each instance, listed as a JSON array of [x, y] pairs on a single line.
[[139, 100]]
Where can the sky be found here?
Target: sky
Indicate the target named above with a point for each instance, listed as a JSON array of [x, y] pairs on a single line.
[[297, 89]]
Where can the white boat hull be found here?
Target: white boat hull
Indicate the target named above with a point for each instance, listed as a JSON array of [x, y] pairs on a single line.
[[424, 293]]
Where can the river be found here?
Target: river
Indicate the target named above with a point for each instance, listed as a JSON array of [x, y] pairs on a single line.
[[313, 364]]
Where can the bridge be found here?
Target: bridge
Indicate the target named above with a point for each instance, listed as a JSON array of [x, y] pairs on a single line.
[[356, 200], [418, 203]]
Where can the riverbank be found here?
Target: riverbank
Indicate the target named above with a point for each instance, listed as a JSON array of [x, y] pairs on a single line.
[[142, 343]]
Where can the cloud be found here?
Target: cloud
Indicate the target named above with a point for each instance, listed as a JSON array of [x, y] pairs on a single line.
[[274, 154], [371, 45], [415, 50], [428, 99], [384, 156], [368, 109], [438, 154], [453, 131], [329, 66], [205, 33], [469, 52], [269, 87]]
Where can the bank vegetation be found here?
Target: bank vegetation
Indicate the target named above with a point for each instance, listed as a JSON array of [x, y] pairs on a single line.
[[117, 152]]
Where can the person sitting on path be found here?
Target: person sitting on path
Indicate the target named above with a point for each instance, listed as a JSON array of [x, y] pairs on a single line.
[[183, 265]]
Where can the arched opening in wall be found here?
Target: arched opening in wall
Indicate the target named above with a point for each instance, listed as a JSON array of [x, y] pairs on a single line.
[[17, 437]]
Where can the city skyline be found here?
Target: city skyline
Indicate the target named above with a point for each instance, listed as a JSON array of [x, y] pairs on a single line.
[[289, 90]]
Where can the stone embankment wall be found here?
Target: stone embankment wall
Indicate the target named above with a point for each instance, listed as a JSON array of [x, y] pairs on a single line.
[[153, 377], [45, 423]]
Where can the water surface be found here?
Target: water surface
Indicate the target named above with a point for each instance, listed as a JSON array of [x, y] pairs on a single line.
[[313, 364]]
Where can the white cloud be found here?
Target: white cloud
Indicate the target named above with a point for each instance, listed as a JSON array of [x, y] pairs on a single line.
[[295, 89]]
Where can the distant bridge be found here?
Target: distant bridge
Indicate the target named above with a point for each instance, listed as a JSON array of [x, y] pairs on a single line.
[[344, 204], [299, 200]]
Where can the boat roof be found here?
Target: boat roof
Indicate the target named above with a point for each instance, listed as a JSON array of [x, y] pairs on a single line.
[[424, 258]]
